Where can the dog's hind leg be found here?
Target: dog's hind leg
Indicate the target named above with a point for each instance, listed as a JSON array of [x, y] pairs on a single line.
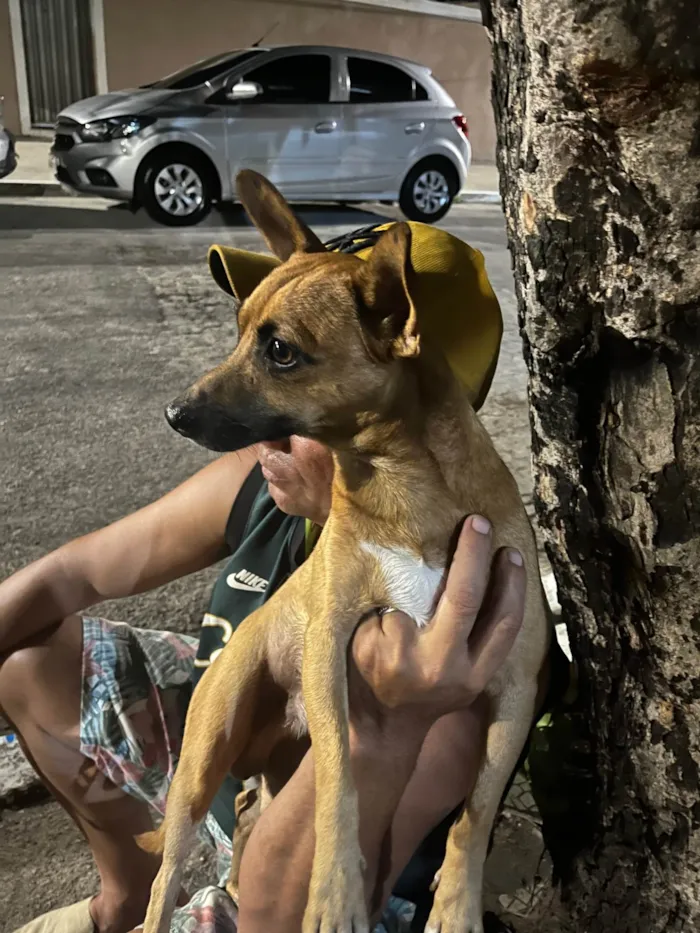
[[458, 900], [217, 730]]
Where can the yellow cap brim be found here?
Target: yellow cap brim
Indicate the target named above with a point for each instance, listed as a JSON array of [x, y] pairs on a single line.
[[238, 271]]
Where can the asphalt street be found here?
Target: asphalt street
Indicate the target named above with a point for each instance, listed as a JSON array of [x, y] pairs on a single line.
[[104, 317]]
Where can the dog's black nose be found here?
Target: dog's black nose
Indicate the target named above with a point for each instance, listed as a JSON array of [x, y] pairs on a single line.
[[182, 417]]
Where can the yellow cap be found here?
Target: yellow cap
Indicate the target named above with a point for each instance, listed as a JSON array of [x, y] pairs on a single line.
[[456, 306]]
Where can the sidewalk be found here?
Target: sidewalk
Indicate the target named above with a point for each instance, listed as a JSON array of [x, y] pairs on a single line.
[[33, 175], [482, 179], [32, 163]]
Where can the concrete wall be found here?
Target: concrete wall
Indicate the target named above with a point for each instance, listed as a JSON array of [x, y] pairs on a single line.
[[146, 40], [8, 83]]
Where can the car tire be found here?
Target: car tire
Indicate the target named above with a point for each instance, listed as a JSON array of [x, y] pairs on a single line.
[[428, 190], [190, 197]]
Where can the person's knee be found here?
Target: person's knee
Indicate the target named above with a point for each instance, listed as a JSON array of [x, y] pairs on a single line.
[[17, 678], [43, 674]]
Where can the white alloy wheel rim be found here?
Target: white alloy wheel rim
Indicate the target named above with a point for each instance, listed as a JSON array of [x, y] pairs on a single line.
[[431, 192], [178, 190]]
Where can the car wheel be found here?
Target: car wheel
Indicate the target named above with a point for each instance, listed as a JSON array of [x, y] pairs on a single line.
[[428, 190], [177, 189]]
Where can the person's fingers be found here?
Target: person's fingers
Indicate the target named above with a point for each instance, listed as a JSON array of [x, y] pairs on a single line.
[[499, 624], [364, 640], [397, 625], [383, 641], [467, 579]]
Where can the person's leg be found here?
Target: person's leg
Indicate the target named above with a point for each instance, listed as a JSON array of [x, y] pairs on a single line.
[[40, 695], [404, 790]]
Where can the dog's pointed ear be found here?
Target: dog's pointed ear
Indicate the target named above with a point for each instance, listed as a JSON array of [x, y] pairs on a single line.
[[384, 287], [284, 233]]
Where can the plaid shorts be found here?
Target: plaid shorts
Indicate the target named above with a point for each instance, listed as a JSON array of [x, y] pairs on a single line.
[[135, 690]]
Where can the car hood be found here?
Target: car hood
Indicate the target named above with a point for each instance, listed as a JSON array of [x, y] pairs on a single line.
[[118, 104]]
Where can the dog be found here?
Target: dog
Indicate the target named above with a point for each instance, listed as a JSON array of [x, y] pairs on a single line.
[[335, 348]]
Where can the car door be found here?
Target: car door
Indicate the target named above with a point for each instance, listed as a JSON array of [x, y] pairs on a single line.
[[386, 116], [289, 132]]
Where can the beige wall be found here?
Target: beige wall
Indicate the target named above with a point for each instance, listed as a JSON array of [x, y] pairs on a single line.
[[146, 40], [8, 83]]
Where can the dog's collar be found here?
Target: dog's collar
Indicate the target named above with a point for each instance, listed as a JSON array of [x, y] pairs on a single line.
[[356, 240]]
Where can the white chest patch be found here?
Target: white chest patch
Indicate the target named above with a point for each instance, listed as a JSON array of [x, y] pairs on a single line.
[[410, 583]]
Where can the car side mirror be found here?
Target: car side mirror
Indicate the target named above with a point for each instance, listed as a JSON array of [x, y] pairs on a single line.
[[244, 90]]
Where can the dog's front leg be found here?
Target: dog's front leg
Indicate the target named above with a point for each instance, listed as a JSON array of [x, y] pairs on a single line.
[[217, 730], [247, 808], [336, 901], [458, 900]]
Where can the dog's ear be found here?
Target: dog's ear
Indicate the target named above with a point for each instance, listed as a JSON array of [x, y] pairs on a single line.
[[284, 233], [384, 285]]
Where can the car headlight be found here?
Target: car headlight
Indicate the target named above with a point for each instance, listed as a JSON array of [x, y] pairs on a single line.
[[114, 128]]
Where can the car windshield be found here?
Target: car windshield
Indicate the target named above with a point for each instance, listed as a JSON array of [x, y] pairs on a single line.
[[206, 70]]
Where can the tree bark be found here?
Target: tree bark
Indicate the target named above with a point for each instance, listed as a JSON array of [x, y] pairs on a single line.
[[598, 113]]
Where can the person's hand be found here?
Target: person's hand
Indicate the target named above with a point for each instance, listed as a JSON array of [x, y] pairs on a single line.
[[400, 669]]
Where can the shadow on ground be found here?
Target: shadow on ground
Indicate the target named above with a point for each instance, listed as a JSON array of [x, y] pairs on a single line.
[[71, 215]]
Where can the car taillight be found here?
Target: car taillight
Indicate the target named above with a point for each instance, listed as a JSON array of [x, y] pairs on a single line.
[[460, 121]]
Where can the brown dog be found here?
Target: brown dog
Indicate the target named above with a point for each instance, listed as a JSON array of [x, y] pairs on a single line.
[[330, 348]]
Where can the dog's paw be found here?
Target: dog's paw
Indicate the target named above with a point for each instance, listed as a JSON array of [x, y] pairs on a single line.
[[453, 922], [337, 904], [454, 911]]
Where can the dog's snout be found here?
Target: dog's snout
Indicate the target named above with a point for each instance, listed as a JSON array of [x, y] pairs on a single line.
[[196, 417], [204, 420], [182, 416]]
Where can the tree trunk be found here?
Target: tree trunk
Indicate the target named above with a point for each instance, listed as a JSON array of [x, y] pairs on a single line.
[[598, 113]]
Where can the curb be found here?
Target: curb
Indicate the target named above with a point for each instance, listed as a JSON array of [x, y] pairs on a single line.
[[478, 197], [38, 189], [32, 189]]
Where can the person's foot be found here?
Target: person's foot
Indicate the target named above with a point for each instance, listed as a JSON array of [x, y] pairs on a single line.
[[76, 918], [117, 915], [121, 916]]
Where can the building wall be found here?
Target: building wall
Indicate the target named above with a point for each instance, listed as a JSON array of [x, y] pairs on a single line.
[[148, 40], [8, 83]]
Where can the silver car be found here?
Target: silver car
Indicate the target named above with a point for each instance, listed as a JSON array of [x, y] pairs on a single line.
[[323, 123]]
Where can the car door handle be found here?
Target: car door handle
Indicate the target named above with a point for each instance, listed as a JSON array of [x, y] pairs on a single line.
[[414, 127], [325, 126]]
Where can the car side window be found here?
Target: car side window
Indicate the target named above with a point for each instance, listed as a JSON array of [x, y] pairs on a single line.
[[373, 82], [295, 79]]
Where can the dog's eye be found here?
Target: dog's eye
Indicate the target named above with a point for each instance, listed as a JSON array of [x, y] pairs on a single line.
[[281, 353]]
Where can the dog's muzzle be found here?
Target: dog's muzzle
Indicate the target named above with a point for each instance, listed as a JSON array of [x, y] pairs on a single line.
[[208, 425], [215, 428]]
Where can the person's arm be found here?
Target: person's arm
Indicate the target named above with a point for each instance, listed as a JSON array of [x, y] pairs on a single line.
[[409, 690], [177, 534]]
